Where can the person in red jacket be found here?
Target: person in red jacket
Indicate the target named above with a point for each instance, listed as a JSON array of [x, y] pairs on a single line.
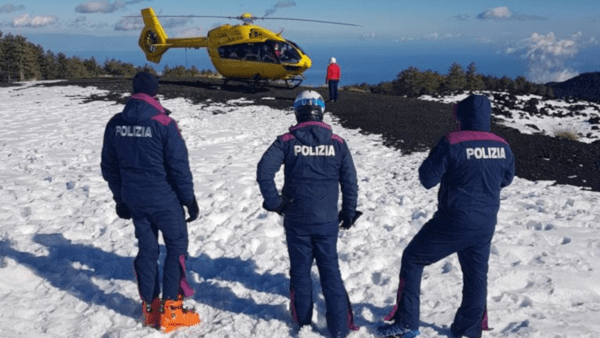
[[333, 78]]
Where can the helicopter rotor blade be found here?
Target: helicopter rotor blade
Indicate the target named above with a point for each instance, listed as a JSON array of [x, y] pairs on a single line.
[[253, 18], [308, 20], [187, 16]]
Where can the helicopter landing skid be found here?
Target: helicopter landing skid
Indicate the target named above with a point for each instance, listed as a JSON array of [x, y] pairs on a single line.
[[257, 82], [294, 82]]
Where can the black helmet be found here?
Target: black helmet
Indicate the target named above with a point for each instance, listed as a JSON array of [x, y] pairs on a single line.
[[309, 106]]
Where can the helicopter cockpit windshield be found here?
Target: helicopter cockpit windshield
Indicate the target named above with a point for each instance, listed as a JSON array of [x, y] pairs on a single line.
[[288, 53], [269, 51]]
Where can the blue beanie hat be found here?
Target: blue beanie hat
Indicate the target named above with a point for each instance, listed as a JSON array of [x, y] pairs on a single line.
[[474, 113], [146, 83]]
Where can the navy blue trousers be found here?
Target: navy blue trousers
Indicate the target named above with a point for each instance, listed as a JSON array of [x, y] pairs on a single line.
[[317, 243], [169, 219], [333, 89], [435, 241]]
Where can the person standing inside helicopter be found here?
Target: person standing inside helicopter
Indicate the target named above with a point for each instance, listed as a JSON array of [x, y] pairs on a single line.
[[333, 78], [317, 163]]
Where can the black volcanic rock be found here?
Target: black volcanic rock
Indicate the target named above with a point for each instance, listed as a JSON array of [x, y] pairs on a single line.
[[585, 86]]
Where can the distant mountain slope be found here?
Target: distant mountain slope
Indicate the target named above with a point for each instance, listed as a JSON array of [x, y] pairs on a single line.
[[585, 86]]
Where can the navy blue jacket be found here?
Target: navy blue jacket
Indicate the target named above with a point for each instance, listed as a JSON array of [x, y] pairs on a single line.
[[316, 163], [144, 156], [472, 165]]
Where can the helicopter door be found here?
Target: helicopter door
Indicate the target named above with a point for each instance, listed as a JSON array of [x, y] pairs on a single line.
[[268, 54]]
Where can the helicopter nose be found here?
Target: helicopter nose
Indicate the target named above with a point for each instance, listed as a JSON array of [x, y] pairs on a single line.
[[307, 63]]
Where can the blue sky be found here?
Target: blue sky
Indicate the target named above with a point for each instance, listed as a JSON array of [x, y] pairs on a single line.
[[549, 33]]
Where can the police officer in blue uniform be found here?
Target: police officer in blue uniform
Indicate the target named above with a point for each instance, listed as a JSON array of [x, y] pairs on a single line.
[[145, 162], [472, 165], [316, 163]]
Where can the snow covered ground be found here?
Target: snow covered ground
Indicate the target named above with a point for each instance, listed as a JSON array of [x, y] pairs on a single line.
[[534, 114], [66, 259]]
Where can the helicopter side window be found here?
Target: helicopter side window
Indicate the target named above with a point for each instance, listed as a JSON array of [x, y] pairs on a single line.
[[240, 51], [224, 52], [262, 52], [253, 53], [232, 52]]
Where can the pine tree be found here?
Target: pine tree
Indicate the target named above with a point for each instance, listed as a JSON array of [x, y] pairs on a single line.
[[36, 56], [23, 60], [406, 82], [75, 69], [49, 66], [507, 84], [430, 82], [474, 80], [148, 69], [1, 49], [3, 73], [112, 67], [92, 68], [8, 62], [62, 66], [117, 68], [194, 71], [456, 78]]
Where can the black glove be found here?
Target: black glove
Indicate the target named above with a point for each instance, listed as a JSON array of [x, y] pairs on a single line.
[[193, 210], [281, 207], [123, 211], [345, 221]]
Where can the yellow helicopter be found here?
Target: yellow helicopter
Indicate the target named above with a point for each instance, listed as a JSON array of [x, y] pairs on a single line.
[[245, 52]]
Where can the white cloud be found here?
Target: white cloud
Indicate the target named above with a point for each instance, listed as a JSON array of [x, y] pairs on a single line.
[[495, 13], [191, 32], [10, 8], [547, 56], [36, 21], [135, 23], [99, 7], [549, 45], [438, 36], [81, 22], [129, 24], [406, 39], [104, 6], [503, 13]]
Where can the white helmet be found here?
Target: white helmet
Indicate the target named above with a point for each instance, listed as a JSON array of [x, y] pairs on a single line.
[[309, 106], [332, 60]]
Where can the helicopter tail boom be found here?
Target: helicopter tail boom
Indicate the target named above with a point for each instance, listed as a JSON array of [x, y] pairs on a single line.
[[153, 39]]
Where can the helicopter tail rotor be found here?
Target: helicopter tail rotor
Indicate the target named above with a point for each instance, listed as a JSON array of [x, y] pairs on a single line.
[[153, 39]]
